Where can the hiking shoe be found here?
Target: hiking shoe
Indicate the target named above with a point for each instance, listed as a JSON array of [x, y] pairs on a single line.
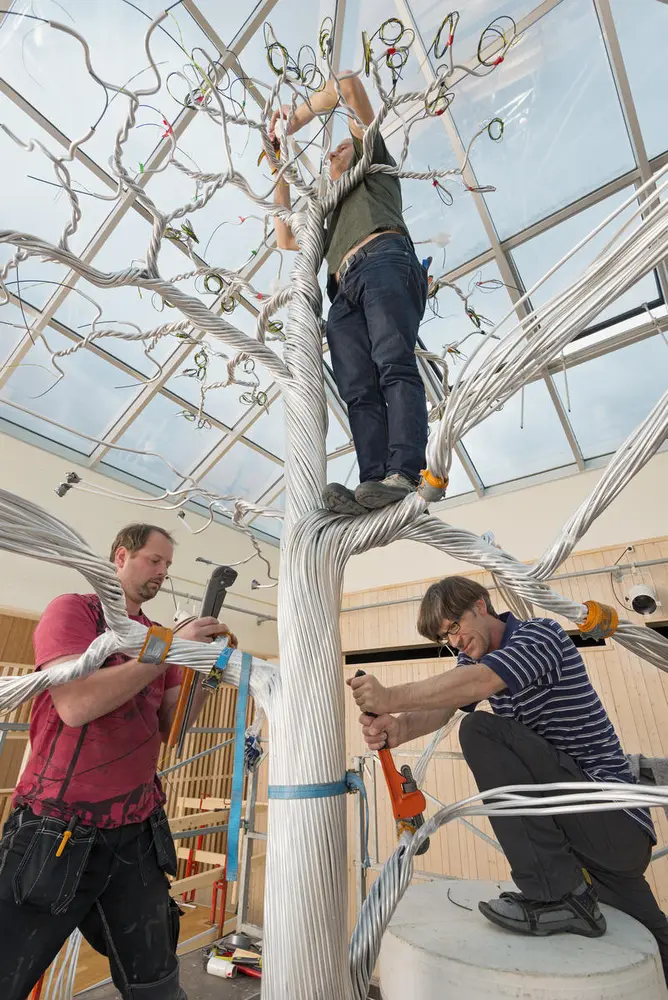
[[373, 495], [576, 913], [340, 500]]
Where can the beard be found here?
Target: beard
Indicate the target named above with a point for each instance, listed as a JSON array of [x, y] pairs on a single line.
[[148, 590]]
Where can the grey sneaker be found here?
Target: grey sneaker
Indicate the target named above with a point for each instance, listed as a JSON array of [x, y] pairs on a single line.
[[340, 500], [393, 488]]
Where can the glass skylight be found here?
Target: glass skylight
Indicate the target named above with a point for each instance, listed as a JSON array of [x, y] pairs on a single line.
[[565, 149]]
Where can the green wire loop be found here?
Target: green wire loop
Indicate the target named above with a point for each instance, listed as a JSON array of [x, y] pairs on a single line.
[[325, 36], [450, 22], [495, 129], [498, 30], [220, 284]]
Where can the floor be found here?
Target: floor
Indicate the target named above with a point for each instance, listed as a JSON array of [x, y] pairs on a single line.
[[197, 983]]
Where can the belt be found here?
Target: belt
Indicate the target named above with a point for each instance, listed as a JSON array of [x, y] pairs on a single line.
[[365, 250]]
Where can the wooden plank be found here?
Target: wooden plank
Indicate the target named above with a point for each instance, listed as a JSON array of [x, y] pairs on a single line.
[[180, 823], [213, 803], [207, 857], [212, 935], [200, 881]]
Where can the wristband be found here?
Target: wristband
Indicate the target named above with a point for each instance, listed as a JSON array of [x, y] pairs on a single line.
[[156, 645]]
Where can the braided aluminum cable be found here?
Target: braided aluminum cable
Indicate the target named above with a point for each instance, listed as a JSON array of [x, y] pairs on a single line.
[[59, 984], [521, 355]]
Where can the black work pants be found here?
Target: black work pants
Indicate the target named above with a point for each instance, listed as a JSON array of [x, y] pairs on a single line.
[[547, 853], [111, 884]]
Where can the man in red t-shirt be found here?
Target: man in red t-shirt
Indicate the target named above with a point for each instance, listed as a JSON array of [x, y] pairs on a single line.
[[92, 772]]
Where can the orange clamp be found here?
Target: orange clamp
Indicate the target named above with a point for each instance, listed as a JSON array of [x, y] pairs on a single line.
[[601, 620], [432, 480], [156, 645]]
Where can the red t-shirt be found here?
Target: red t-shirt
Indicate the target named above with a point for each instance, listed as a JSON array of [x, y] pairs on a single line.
[[103, 772]]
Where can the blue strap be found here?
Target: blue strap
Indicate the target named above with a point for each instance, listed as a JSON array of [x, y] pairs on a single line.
[[238, 770], [221, 662], [323, 791], [351, 783]]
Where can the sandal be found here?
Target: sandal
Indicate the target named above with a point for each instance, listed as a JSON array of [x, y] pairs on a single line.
[[576, 913]]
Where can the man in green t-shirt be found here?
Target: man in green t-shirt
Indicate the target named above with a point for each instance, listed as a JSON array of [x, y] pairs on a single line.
[[378, 292]]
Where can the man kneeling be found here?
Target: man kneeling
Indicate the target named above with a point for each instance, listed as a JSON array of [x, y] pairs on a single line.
[[548, 725]]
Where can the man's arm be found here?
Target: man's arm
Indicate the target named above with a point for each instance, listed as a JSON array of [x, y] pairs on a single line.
[[81, 701], [284, 238], [450, 690], [392, 731], [354, 94]]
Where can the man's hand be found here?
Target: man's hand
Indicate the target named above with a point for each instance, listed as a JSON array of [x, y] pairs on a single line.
[[205, 630], [370, 694], [385, 730], [284, 112]]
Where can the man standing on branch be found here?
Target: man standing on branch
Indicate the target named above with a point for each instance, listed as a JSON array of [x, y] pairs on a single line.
[[88, 844], [378, 292], [548, 726]]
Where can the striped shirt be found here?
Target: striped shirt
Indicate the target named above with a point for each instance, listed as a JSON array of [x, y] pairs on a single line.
[[549, 691]]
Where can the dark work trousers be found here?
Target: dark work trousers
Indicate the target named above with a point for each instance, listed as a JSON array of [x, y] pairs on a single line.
[[111, 884], [547, 853], [372, 330]]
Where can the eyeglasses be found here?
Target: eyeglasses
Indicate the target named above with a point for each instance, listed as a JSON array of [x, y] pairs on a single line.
[[450, 632]]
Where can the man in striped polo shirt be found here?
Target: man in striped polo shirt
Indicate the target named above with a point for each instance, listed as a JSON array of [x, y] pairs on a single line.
[[548, 725]]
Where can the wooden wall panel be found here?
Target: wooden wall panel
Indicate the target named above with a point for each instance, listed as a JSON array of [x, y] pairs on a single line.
[[633, 691]]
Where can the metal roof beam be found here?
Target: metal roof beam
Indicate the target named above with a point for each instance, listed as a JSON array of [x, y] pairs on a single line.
[[618, 68], [242, 425]]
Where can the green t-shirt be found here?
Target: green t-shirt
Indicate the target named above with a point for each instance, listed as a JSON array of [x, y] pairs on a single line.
[[375, 204]]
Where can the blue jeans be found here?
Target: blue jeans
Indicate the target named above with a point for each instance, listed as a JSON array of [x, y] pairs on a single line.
[[372, 330]]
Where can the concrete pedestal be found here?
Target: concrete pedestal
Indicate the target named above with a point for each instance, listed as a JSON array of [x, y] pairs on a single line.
[[440, 947]]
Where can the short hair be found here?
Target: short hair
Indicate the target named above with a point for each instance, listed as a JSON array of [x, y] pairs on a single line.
[[449, 598], [134, 537]]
